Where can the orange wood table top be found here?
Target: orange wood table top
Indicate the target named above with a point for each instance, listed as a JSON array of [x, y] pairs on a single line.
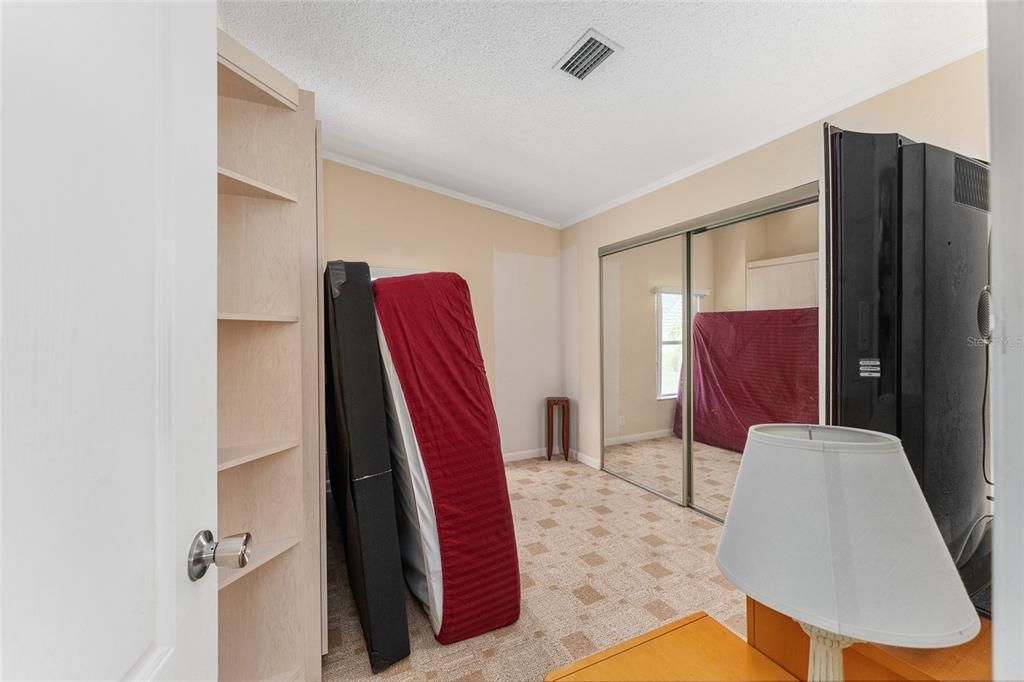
[[696, 647], [781, 639]]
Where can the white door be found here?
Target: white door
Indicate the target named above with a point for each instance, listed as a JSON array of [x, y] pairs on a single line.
[[1006, 106], [108, 323]]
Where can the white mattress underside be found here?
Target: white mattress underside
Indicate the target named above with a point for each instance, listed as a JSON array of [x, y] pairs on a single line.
[[417, 523]]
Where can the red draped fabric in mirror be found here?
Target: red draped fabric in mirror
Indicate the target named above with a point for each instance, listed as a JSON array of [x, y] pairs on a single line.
[[752, 367]]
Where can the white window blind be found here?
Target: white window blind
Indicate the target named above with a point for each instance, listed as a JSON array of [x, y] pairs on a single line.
[[669, 306]]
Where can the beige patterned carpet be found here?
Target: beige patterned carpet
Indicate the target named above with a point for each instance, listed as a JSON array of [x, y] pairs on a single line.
[[601, 561], [714, 476], [658, 464]]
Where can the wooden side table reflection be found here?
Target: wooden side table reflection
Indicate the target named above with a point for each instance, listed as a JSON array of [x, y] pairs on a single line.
[[552, 403]]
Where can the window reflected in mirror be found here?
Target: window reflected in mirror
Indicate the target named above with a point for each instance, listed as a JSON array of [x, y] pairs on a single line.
[[643, 328]]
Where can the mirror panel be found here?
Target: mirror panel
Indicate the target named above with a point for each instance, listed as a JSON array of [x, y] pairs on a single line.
[[753, 339], [643, 314]]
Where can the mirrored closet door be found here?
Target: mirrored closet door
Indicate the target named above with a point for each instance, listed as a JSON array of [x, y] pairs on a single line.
[[708, 328], [643, 315], [753, 340]]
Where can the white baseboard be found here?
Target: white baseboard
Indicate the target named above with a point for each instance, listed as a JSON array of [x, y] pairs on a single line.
[[524, 454], [583, 458], [634, 437]]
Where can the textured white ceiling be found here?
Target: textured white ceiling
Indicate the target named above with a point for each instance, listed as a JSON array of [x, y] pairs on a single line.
[[463, 96]]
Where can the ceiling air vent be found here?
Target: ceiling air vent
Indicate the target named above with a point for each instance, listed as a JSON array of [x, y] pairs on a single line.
[[587, 54]]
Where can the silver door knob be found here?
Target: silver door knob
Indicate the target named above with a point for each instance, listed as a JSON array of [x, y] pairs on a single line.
[[231, 552]]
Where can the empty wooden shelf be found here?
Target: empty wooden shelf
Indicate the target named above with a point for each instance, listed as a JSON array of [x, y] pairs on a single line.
[[242, 75], [256, 317], [287, 676], [262, 554], [233, 182], [237, 455]]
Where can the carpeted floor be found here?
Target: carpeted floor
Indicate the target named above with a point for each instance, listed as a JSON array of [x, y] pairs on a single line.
[[714, 476], [601, 561], [658, 464]]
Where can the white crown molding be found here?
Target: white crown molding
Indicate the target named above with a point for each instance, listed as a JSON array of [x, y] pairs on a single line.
[[932, 62], [437, 189]]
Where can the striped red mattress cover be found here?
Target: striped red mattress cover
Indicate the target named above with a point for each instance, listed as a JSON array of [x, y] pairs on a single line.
[[458, 539]]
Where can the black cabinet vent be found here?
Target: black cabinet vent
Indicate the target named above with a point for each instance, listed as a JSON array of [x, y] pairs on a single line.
[[970, 184]]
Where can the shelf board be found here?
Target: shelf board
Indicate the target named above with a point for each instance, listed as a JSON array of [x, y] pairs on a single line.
[[256, 317], [243, 75], [233, 82], [288, 676], [261, 555], [231, 182], [228, 458]]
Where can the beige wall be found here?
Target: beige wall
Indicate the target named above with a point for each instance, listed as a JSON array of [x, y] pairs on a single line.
[[702, 262], [786, 233], [729, 256], [512, 267], [720, 256], [631, 396], [947, 107]]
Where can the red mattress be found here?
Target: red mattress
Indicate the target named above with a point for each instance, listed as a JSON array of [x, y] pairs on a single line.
[[753, 367], [430, 346]]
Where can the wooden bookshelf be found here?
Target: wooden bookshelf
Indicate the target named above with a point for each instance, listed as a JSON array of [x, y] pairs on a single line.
[[269, 449]]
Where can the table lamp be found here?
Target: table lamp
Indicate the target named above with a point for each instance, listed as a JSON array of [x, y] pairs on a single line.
[[829, 526]]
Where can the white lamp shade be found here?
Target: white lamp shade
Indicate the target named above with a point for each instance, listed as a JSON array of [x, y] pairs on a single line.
[[829, 526]]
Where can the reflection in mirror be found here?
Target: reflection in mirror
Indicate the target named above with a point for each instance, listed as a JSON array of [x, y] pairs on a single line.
[[643, 314], [754, 340]]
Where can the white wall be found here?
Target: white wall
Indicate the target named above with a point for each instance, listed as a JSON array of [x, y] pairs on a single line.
[[527, 349], [570, 360]]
